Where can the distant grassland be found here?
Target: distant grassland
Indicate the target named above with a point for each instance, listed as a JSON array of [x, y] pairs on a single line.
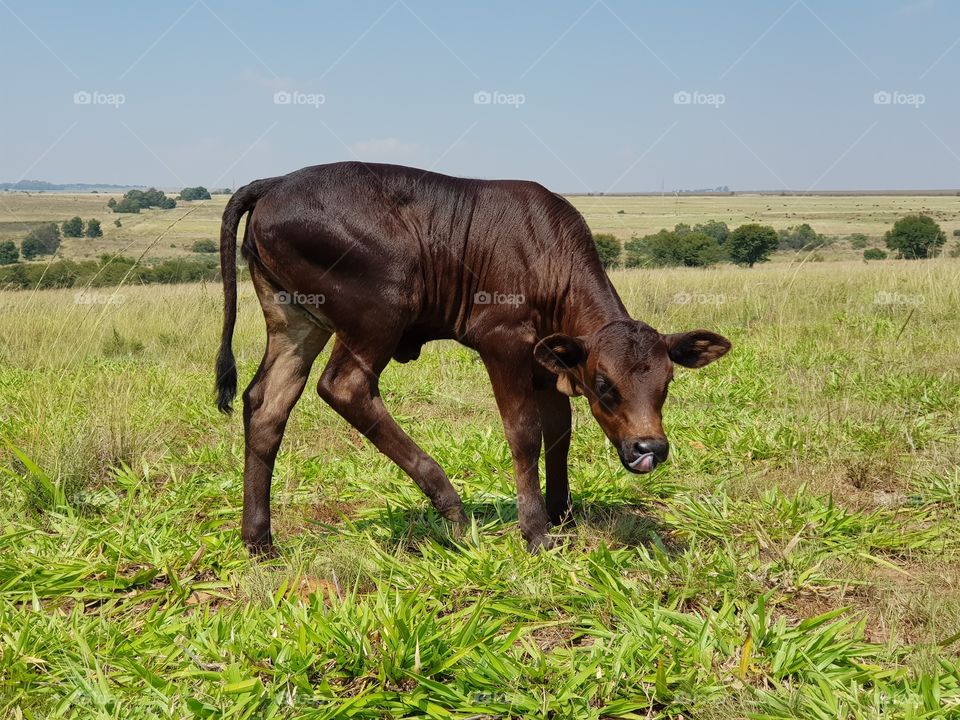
[[797, 557], [622, 216]]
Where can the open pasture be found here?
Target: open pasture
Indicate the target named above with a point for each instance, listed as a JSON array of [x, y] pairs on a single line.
[[798, 556], [624, 216]]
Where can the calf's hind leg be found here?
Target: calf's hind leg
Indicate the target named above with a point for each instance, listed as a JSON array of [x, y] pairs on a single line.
[[350, 385], [294, 340]]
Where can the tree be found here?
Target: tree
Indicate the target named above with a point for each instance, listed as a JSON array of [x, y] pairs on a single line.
[[195, 193], [717, 229], [125, 206], [751, 243], [44, 240], [9, 253], [874, 254], [678, 247], [608, 248], [93, 228], [73, 227], [204, 246], [915, 237], [136, 200], [800, 237]]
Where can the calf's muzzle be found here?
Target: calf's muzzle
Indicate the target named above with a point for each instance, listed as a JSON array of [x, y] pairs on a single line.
[[643, 454]]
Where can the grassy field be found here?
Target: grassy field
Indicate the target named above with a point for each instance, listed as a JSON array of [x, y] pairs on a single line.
[[624, 216], [197, 220], [830, 215], [799, 556]]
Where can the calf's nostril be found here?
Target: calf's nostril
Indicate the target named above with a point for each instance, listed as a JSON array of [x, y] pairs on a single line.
[[651, 445]]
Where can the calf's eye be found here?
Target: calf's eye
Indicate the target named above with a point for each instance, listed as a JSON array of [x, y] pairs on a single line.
[[605, 391]]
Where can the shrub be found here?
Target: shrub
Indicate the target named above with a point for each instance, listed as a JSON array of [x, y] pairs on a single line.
[[858, 241], [204, 246], [915, 237], [751, 243], [956, 233], [9, 253], [800, 237], [608, 248], [195, 193], [874, 254], [93, 228], [107, 271], [117, 223], [72, 227], [44, 240]]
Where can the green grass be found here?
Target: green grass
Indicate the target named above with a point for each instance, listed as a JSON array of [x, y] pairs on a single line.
[[799, 556]]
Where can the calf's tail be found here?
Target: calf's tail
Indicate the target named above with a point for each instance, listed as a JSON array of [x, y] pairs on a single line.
[[242, 202]]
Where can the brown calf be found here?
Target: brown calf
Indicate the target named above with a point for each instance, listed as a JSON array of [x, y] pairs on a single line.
[[388, 258]]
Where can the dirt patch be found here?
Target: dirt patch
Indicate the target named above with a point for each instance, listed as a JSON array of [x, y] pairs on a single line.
[[863, 485], [915, 603], [295, 519]]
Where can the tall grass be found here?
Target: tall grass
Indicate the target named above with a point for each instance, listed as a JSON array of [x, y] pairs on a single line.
[[797, 557]]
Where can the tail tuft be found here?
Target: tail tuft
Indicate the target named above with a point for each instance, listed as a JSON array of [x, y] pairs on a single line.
[[226, 380]]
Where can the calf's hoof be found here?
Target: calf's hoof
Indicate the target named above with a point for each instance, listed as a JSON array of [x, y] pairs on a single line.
[[455, 514], [543, 542], [259, 543], [562, 518]]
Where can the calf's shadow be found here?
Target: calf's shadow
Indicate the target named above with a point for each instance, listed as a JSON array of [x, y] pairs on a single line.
[[619, 524]]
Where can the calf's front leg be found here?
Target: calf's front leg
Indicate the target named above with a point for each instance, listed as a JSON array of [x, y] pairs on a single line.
[[556, 421], [513, 390]]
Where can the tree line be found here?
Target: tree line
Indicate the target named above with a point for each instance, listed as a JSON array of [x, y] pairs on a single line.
[[45, 239], [108, 271], [912, 237]]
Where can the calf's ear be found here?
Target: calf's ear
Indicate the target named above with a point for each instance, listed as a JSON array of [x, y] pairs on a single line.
[[696, 348], [560, 354]]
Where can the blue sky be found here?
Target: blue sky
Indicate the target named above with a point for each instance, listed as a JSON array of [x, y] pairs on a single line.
[[584, 95]]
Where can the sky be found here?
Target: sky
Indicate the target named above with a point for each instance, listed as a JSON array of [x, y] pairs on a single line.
[[580, 95]]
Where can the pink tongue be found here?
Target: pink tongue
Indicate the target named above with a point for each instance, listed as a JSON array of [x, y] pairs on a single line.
[[645, 464]]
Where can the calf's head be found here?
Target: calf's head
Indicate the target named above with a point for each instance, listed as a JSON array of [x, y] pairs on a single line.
[[624, 369]]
